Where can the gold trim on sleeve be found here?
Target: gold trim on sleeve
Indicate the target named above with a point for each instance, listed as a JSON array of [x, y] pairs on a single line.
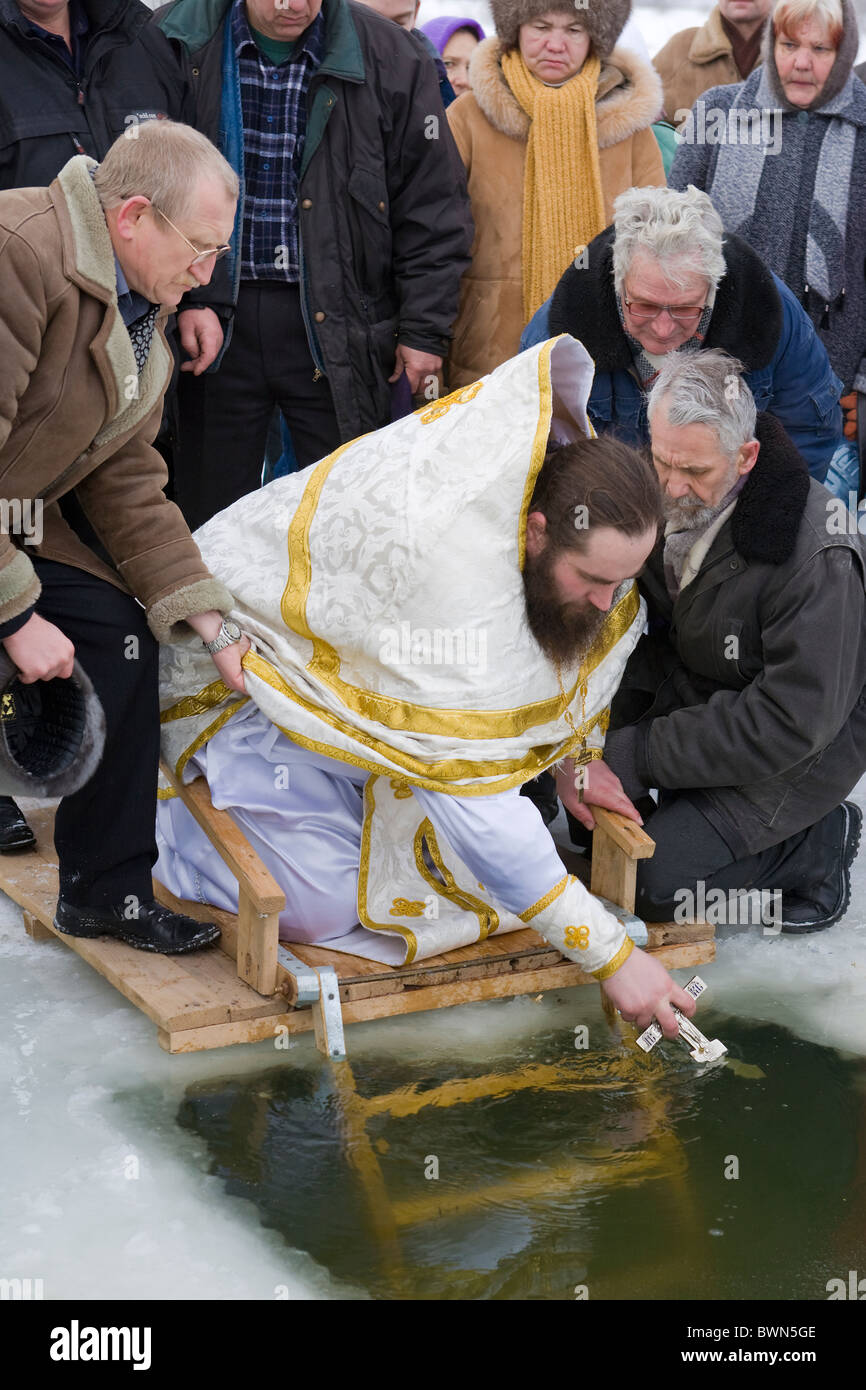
[[544, 902], [619, 959]]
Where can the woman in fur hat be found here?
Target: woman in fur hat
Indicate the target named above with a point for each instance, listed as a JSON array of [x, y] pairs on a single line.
[[783, 157], [556, 125]]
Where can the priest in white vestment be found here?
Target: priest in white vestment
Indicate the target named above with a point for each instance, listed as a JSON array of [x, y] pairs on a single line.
[[435, 615]]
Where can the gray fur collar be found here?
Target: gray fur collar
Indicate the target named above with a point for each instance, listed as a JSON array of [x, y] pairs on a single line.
[[629, 100]]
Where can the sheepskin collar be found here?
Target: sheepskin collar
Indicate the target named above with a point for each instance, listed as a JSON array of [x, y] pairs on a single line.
[[629, 95], [88, 260], [746, 320], [770, 507], [710, 41]]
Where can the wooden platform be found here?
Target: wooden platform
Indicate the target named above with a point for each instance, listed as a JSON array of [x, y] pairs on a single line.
[[200, 1001]]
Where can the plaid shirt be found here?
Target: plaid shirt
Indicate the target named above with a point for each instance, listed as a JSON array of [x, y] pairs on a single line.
[[274, 108]]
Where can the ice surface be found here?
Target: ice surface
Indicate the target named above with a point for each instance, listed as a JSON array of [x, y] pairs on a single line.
[[104, 1195]]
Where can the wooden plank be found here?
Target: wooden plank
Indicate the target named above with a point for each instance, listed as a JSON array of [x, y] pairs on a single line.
[[249, 1030], [631, 838], [36, 929], [614, 875], [230, 843], [421, 1000], [172, 990], [673, 933], [257, 940], [197, 1001]]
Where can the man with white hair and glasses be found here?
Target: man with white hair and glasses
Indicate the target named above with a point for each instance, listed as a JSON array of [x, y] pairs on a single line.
[[744, 703], [666, 278]]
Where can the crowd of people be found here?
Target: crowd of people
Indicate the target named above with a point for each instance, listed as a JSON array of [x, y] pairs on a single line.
[[230, 222]]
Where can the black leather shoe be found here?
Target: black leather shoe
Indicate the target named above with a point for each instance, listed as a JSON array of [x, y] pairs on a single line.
[[155, 928], [822, 906], [15, 833]]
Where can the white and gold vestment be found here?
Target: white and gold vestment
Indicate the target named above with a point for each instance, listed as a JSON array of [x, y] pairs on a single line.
[[382, 591]]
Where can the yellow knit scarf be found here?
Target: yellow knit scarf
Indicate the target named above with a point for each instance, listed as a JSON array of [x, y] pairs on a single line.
[[563, 203]]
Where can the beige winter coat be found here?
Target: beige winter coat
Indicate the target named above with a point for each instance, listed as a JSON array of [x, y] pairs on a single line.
[[76, 416], [693, 61], [491, 130]]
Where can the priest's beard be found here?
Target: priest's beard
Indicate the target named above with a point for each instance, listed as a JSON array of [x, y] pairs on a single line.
[[563, 631]]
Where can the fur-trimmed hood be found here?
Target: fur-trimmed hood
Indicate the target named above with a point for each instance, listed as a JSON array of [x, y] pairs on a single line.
[[746, 320], [629, 95]]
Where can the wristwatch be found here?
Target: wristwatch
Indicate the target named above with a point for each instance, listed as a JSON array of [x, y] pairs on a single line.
[[227, 635]]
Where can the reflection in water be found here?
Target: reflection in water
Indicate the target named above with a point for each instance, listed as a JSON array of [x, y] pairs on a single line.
[[607, 1174]]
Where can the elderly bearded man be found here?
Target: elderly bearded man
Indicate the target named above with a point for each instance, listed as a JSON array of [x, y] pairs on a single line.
[[666, 278], [89, 267], [744, 704], [425, 639]]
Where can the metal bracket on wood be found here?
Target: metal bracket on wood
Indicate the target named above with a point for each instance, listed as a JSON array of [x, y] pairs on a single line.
[[635, 926], [319, 987]]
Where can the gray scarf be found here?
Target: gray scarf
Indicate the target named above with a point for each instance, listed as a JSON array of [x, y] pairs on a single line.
[[743, 170]]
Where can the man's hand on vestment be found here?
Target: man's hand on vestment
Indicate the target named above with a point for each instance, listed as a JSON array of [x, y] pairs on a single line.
[[201, 337], [601, 787], [643, 990], [228, 661], [417, 365], [40, 651]]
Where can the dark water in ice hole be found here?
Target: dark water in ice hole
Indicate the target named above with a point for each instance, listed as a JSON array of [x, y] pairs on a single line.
[[557, 1168]]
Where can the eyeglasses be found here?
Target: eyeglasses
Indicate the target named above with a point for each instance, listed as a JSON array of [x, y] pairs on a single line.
[[200, 256], [642, 311]]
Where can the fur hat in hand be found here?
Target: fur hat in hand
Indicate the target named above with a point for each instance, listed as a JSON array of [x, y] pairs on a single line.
[[51, 733], [603, 19]]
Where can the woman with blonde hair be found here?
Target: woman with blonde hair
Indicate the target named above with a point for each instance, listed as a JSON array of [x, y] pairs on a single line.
[[556, 125], [786, 168]]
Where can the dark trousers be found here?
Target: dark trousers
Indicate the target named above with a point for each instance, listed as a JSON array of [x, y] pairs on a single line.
[[104, 834], [690, 850], [224, 415]]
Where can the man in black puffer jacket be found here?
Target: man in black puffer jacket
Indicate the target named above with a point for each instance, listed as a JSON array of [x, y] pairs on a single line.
[[352, 233], [745, 702]]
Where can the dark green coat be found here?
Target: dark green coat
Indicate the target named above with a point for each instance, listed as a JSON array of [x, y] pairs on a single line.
[[750, 685], [384, 224]]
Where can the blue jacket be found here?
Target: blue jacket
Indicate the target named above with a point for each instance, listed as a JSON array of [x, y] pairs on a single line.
[[756, 318]]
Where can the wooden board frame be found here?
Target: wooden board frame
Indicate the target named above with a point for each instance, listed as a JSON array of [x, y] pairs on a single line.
[[240, 993]]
